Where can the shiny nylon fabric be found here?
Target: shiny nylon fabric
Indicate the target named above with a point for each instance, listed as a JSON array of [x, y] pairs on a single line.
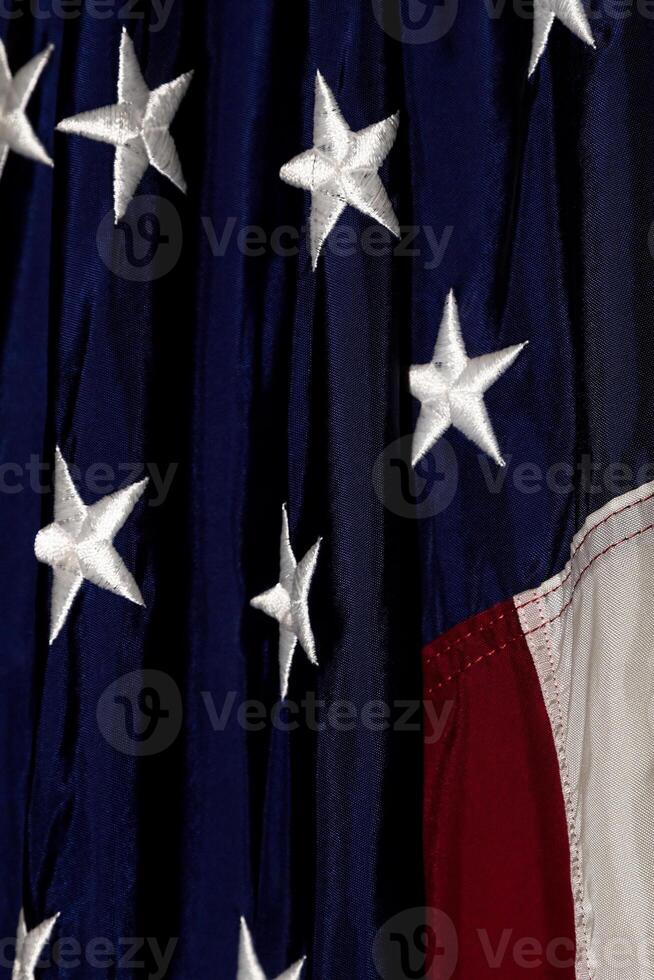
[[550, 224], [206, 369], [590, 632], [496, 845], [263, 382]]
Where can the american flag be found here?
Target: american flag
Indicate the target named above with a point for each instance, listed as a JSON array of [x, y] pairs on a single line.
[[325, 455]]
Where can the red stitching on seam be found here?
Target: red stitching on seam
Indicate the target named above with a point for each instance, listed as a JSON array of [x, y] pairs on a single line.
[[466, 636], [546, 622], [556, 588], [493, 622], [477, 660], [567, 792], [636, 503], [630, 537], [615, 513]]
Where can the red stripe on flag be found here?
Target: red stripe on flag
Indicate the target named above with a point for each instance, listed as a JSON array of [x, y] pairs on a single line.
[[495, 834]]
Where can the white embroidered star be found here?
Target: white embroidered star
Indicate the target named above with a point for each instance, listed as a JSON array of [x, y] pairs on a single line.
[[569, 12], [29, 946], [249, 967], [341, 169], [137, 126], [16, 132], [451, 389], [78, 545], [288, 603]]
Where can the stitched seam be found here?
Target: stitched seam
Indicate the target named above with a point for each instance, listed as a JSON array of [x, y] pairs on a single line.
[[544, 623], [544, 595], [493, 622], [548, 622], [466, 636], [473, 663], [616, 513], [567, 792]]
